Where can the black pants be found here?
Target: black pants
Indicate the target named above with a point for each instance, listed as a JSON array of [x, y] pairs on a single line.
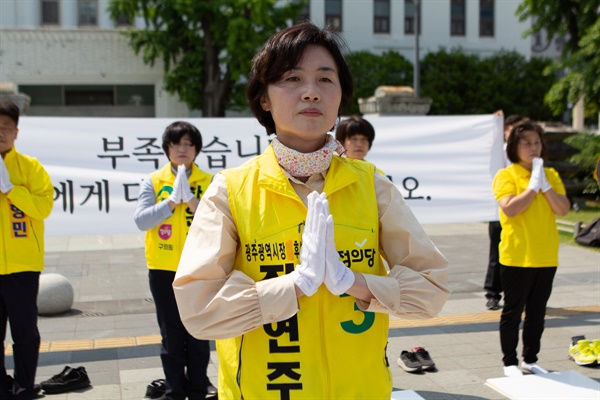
[[493, 283], [18, 306], [184, 358], [524, 289]]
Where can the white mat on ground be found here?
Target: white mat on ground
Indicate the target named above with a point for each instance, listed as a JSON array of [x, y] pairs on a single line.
[[555, 385], [406, 395]]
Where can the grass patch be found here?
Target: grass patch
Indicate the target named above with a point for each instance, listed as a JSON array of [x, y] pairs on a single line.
[[586, 215]]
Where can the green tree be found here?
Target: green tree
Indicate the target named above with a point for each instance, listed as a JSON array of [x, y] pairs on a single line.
[[206, 46], [516, 85], [589, 150], [370, 71], [460, 83], [578, 22], [451, 80]]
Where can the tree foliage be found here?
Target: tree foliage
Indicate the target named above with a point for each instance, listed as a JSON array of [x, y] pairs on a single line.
[[578, 22], [461, 83], [206, 47], [589, 150], [451, 80], [370, 71]]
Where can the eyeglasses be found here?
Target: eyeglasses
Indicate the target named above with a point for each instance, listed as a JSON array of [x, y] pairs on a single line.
[[358, 139], [7, 131], [181, 145], [524, 143]]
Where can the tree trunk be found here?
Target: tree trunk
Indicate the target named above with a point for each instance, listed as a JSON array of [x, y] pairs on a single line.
[[216, 89]]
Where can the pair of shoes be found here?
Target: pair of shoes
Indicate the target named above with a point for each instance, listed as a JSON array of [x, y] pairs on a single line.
[[212, 392], [582, 352], [492, 304], [512, 371], [156, 389], [416, 360], [69, 379], [533, 368]]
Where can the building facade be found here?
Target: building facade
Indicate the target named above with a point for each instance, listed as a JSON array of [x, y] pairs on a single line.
[[69, 56]]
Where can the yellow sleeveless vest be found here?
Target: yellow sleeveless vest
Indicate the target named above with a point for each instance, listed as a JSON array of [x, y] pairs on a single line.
[[164, 243], [329, 349]]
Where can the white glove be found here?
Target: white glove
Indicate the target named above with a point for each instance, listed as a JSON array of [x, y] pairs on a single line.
[[186, 192], [338, 278], [545, 186], [537, 171], [5, 183], [310, 273], [175, 195]]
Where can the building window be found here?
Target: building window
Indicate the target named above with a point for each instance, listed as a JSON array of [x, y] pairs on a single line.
[[409, 17], [88, 12], [90, 95], [305, 12], [50, 12], [486, 18], [333, 14], [457, 18], [381, 12]]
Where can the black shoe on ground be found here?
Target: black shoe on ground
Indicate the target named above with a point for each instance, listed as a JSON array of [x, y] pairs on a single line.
[[211, 392], [408, 361], [423, 357], [69, 379], [492, 304], [35, 390], [156, 389]]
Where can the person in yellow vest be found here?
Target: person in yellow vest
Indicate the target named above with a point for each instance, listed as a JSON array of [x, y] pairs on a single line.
[[168, 200], [26, 200], [530, 196], [282, 262]]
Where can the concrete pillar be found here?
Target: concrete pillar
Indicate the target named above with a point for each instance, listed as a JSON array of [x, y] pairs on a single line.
[[578, 115]]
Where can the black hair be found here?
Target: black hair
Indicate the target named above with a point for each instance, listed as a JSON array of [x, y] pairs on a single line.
[[174, 132], [516, 134], [355, 125], [10, 109], [282, 52]]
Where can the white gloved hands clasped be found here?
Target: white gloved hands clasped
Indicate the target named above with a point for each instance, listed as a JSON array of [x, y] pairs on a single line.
[[537, 174], [5, 183], [545, 185], [338, 278], [310, 273], [175, 195], [186, 192]]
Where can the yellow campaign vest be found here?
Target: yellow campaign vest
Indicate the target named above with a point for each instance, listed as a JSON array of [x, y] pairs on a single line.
[[22, 229], [329, 349], [164, 243]]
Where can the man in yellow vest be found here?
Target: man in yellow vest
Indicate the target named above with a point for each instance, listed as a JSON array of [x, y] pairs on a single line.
[[166, 205], [26, 199]]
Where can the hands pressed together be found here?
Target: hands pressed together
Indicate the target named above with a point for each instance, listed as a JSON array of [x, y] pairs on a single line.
[[319, 259], [538, 180], [181, 188], [5, 184]]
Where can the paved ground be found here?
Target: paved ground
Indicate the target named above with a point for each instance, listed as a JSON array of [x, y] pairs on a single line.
[[112, 330]]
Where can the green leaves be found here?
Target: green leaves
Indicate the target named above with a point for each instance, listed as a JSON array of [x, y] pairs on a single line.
[[206, 46], [578, 22]]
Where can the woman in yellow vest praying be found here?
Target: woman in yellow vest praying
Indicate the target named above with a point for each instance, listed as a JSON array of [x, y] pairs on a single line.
[[282, 262], [168, 199]]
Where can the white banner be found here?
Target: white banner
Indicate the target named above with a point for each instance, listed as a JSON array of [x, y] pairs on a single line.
[[443, 166]]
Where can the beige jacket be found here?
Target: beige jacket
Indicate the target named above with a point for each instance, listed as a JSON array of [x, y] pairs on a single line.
[[216, 302]]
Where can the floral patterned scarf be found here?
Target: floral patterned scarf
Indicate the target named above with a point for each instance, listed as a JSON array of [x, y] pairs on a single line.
[[302, 165]]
